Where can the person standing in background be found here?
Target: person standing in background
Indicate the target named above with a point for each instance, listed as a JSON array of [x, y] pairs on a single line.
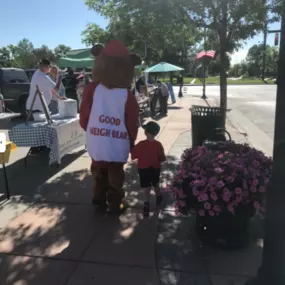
[[180, 82], [56, 78], [163, 99], [70, 83]]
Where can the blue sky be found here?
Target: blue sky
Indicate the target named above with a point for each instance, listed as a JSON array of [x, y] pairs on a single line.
[[53, 22]]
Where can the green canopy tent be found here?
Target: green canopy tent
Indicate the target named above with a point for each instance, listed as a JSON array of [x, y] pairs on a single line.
[[80, 58], [163, 67], [75, 62]]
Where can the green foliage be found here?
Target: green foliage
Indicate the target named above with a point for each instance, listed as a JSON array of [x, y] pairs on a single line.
[[253, 64], [153, 29], [61, 50], [25, 55]]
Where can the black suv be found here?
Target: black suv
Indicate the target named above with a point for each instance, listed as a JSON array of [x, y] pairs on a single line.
[[14, 86]]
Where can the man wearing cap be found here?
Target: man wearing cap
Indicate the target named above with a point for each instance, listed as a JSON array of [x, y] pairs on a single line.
[[46, 85], [109, 113]]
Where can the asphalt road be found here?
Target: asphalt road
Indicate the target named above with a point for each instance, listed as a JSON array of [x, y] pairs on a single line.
[[255, 102]]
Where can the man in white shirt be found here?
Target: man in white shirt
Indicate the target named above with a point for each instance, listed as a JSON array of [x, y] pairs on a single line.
[[46, 86]]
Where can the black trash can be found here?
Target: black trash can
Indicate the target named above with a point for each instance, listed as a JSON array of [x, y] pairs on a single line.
[[204, 121]]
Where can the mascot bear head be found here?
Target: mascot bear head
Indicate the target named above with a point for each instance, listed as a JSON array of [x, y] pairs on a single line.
[[114, 65]]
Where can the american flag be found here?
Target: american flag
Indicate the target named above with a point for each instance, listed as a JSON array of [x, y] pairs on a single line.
[[209, 53]]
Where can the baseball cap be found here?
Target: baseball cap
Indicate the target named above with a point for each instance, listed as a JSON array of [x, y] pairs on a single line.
[[152, 128]]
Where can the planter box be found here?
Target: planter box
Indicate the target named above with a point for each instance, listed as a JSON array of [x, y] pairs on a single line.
[[226, 231]]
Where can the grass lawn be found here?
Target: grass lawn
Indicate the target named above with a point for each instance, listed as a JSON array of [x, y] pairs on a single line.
[[216, 80]]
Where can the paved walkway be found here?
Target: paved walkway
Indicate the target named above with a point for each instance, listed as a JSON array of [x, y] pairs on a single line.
[[51, 235]]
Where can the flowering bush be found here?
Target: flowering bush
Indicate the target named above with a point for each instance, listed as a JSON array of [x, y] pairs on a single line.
[[222, 178]]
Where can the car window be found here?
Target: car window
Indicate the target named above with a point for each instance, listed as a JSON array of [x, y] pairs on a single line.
[[14, 76]]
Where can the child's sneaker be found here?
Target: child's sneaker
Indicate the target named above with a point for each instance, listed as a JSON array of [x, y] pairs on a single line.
[[158, 200], [146, 209]]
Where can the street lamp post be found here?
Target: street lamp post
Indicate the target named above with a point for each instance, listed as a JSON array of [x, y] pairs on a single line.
[[272, 270], [204, 69]]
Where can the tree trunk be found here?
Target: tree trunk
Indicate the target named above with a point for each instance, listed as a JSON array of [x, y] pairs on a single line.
[[223, 79]]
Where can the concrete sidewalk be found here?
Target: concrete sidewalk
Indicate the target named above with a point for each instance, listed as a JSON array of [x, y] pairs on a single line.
[[54, 236]]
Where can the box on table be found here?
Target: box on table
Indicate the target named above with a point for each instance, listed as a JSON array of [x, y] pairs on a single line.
[[67, 108], [5, 156]]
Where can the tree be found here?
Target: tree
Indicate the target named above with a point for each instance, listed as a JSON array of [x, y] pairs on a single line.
[[61, 50], [239, 69], [232, 21], [149, 29], [43, 52], [255, 59], [94, 34], [22, 54], [5, 57]]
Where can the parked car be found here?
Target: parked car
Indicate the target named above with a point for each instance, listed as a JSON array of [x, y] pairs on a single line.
[[30, 73], [14, 86]]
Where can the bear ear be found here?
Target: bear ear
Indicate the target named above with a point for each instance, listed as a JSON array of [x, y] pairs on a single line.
[[135, 58], [97, 49]]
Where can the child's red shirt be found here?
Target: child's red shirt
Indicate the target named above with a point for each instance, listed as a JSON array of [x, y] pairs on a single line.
[[149, 154]]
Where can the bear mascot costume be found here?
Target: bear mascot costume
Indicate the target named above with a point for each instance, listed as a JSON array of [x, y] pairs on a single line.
[[109, 114]]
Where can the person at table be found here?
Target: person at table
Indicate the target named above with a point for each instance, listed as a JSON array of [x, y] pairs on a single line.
[[56, 78], [70, 82], [163, 99], [46, 85], [140, 83]]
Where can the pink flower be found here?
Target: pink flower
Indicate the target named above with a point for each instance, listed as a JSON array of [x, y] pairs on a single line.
[[211, 189], [200, 198], [255, 163], [253, 189], [238, 191], [226, 191], [262, 189], [214, 196], [196, 182], [195, 193], [213, 180], [220, 156], [211, 213], [207, 206], [226, 198], [206, 197], [238, 199], [231, 179], [231, 208], [255, 182], [256, 205], [220, 184], [217, 208], [201, 213], [219, 170]]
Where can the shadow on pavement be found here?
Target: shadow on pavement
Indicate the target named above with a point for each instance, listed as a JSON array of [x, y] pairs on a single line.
[[62, 240], [24, 181]]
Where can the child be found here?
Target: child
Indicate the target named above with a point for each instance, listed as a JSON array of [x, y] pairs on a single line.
[[150, 154]]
